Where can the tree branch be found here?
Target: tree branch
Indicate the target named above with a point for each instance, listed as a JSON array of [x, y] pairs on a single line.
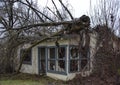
[[52, 12], [36, 11], [44, 24], [66, 9], [57, 10]]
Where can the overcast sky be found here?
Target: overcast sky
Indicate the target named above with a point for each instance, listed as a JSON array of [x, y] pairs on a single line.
[[79, 7]]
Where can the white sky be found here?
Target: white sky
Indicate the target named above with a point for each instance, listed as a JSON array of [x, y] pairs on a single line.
[[79, 7]]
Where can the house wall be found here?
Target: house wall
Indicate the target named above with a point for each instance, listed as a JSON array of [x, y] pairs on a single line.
[[74, 40], [93, 49], [34, 69]]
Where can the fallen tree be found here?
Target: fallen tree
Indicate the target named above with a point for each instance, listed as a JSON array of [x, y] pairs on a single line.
[[71, 26]]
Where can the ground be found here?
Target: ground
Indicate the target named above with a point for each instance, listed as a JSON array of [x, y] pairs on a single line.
[[20, 82], [27, 79]]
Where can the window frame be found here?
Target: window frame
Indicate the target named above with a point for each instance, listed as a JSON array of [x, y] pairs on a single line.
[[79, 59], [50, 59], [62, 59], [57, 59]]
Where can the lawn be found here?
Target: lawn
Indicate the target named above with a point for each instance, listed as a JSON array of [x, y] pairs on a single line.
[[27, 79], [20, 82]]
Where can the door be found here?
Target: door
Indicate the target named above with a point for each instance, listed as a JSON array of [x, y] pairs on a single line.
[[42, 60]]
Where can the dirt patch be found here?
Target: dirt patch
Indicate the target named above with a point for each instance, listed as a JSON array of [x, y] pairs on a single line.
[[94, 80]]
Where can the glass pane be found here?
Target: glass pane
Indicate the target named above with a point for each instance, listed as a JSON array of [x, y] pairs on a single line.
[[74, 52], [61, 52], [60, 66], [42, 53], [27, 57], [51, 65], [74, 65], [52, 53]]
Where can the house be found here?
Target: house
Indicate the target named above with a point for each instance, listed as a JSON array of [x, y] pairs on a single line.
[[61, 59]]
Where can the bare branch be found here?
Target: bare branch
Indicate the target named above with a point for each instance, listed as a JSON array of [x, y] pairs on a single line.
[[57, 10], [52, 12], [45, 24], [66, 9], [36, 11]]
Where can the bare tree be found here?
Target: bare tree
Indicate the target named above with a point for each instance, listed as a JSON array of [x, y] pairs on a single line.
[[105, 19], [16, 14], [105, 12]]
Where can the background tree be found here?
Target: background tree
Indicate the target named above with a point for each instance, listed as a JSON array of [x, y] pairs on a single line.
[[105, 20], [105, 12]]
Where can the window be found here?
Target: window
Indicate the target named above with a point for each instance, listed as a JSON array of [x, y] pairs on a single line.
[[56, 59], [28, 57], [51, 58], [52, 53], [61, 53], [78, 61]]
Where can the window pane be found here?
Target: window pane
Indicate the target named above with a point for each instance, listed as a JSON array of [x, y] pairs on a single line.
[[51, 65], [74, 65], [52, 53], [74, 52], [60, 66], [27, 57], [42, 53], [61, 52]]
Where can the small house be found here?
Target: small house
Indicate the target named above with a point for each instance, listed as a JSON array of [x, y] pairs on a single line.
[[59, 58]]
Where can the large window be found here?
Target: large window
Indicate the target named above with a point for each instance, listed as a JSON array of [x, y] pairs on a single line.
[[78, 61], [56, 59], [27, 56]]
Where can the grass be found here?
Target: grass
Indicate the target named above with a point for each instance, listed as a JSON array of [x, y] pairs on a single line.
[[20, 82], [27, 79]]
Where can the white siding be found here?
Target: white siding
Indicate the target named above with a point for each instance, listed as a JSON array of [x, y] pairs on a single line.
[[33, 68]]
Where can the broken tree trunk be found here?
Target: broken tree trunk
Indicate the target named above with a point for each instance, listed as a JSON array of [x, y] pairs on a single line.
[[82, 22]]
